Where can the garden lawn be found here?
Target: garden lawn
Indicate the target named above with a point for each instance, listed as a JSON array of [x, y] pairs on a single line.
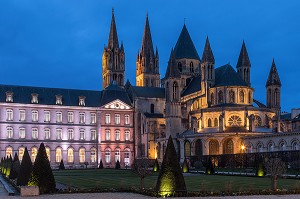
[[125, 179]]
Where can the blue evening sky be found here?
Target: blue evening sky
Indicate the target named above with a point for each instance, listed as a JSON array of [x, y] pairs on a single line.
[[59, 43]]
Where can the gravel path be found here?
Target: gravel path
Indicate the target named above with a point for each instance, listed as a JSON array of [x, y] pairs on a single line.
[[136, 196]]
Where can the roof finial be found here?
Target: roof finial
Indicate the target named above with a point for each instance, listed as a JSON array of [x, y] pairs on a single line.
[[113, 10], [184, 19]]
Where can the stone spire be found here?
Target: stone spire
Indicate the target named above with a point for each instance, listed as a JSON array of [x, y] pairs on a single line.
[[147, 46], [113, 36], [273, 78], [172, 70], [207, 55], [243, 60]]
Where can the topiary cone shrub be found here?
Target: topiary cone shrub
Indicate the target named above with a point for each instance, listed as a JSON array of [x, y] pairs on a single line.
[[101, 165], [118, 166], [42, 175], [185, 166], [61, 165], [156, 165], [170, 179], [25, 169], [209, 166], [15, 168]]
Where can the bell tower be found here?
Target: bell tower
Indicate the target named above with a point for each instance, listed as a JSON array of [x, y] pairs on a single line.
[[243, 65]]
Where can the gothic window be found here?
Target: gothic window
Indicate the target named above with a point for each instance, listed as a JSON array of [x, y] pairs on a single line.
[[180, 66], [228, 147], [213, 147], [257, 121], [209, 122], [70, 155], [212, 98], [175, 91], [270, 146], [249, 97], [235, 120], [242, 97], [120, 80], [231, 96], [187, 149], [191, 67], [295, 145], [282, 145], [198, 148], [216, 122], [114, 77], [220, 97], [269, 97]]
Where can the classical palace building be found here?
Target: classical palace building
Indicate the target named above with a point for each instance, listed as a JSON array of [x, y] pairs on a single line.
[[206, 109]]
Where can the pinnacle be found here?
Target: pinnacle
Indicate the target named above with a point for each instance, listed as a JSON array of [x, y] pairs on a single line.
[[243, 57], [207, 55]]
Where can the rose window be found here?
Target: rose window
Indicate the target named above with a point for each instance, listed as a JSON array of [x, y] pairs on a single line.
[[235, 121], [257, 121]]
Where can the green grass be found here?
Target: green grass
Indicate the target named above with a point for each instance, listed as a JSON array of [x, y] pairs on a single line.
[[110, 178]]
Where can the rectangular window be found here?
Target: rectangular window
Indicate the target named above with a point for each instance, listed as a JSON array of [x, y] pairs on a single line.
[[47, 116], [47, 133], [71, 134], [127, 121], [127, 135], [117, 118], [35, 116], [93, 118], [34, 133], [117, 135], [81, 134], [59, 134], [70, 117], [93, 135], [22, 115], [9, 115], [81, 118], [9, 132], [58, 117], [107, 118], [107, 156], [107, 135], [22, 133]]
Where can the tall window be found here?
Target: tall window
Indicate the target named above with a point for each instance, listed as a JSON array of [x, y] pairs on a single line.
[[93, 135], [35, 133], [70, 134], [21, 153], [216, 122], [93, 118], [70, 117], [22, 115], [220, 97], [117, 155], [47, 133], [107, 156], [81, 155], [33, 153], [242, 97], [59, 133], [209, 122], [10, 132], [212, 98], [175, 91], [58, 117], [21, 132], [107, 118], [35, 116], [231, 96], [117, 118], [180, 66], [93, 155], [47, 116], [191, 67], [70, 155], [9, 152], [276, 96], [81, 118], [9, 96], [127, 120], [58, 155], [249, 97], [9, 115], [127, 157], [81, 134], [117, 135], [107, 134], [127, 135], [48, 152]]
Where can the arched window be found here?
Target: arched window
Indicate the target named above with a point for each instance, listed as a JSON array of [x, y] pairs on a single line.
[[259, 147], [70, 155], [215, 122], [242, 97], [180, 66], [93, 155], [220, 97], [234, 120], [187, 149], [191, 67], [48, 152], [212, 98], [257, 121], [21, 153], [282, 145], [175, 91], [152, 108], [213, 147], [115, 78], [295, 145], [228, 147], [231, 96], [167, 92], [117, 155], [120, 79], [82, 155], [209, 122], [270, 146], [9, 152], [33, 153], [198, 148], [269, 97], [127, 157], [249, 97], [107, 156], [58, 155]]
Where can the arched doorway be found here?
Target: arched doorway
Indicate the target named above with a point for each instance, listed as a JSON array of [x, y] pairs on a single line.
[[198, 148], [187, 149], [228, 147], [213, 147]]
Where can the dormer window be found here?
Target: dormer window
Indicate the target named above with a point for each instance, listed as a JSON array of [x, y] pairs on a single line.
[[34, 99], [58, 99], [81, 100], [9, 96]]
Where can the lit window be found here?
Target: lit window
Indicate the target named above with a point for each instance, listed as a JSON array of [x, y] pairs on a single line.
[[47, 133], [34, 133], [127, 119], [81, 101], [107, 118], [127, 135], [22, 115], [117, 118], [33, 153], [58, 100], [70, 117], [93, 155], [81, 118], [58, 117], [93, 135], [58, 154], [59, 134], [81, 155], [70, 134], [47, 116], [117, 135], [48, 152], [9, 96], [21, 153], [35, 116], [9, 152], [9, 115], [70, 155], [10, 132], [107, 135], [21, 132], [81, 134], [107, 156], [34, 98], [117, 155], [127, 157], [93, 118]]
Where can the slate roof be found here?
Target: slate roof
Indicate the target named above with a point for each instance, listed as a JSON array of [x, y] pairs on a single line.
[[150, 92], [114, 92], [193, 86], [184, 47], [154, 115], [47, 96], [296, 119], [227, 76], [288, 116], [243, 58], [207, 55], [172, 69], [273, 78]]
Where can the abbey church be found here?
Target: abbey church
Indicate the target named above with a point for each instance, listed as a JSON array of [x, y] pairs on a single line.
[[207, 109]]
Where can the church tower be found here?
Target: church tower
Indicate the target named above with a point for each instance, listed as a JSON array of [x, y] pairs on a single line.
[[208, 65], [147, 68], [243, 65], [173, 105], [273, 86], [113, 58]]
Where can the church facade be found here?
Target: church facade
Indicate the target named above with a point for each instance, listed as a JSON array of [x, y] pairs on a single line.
[[206, 109]]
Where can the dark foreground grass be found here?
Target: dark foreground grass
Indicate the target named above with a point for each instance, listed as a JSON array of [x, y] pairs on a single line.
[[125, 179]]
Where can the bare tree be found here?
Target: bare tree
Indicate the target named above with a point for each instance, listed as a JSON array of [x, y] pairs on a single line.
[[141, 168], [275, 167]]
